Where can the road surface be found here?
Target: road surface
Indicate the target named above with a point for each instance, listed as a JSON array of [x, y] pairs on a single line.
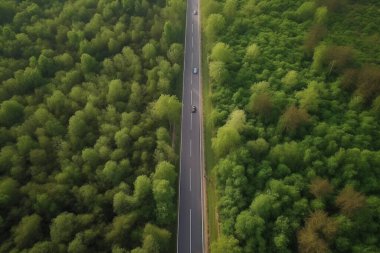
[[190, 218]]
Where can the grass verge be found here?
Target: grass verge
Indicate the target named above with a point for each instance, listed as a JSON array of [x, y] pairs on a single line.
[[208, 127]]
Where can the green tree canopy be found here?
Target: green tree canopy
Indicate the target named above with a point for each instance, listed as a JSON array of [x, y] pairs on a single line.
[[63, 227], [226, 244], [11, 112], [28, 231], [221, 52]]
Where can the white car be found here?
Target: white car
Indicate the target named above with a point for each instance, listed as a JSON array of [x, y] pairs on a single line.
[[195, 70]]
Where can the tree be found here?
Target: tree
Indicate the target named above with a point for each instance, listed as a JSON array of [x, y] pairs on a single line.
[[143, 188], [64, 61], [90, 156], [87, 196], [306, 10], [221, 52], [218, 72], [116, 93], [57, 103], [120, 229], [135, 100], [114, 46], [350, 201], [38, 157], [63, 227], [88, 63], [237, 120], [230, 8], [28, 231], [349, 79], [78, 245], [168, 108], [332, 5], [376, 107], [339, 58], [319, 57], [227, 138], [320, 15], [262, 205], [160, 236], [123, 138], [11, 112], [122, 202], [293, 119], [113, 173], [313, 37], [149, 51], [309, 97], [258, 147], [319, 230], [162, 134], [320, 187], [164, 195], [290, 79], [170, 34], [288, 153], [249, 225], [309, 242], [252, 52], [261, 104], [226, 244], [42, 246], [369, 83], [215, 24], [25, 144], [165, 171], [175, 53], [81, 127], [7, 11], [9, 192]]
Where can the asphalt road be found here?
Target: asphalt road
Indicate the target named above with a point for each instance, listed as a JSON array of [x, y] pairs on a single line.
[[190, 218]]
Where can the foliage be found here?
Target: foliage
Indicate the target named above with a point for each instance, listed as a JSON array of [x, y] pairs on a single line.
[[350, 201], [319, 228], [88, 123], [226, 244], [306, 75], [320, 187]]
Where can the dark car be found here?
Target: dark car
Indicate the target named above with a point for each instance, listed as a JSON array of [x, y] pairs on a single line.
[[193, 109]]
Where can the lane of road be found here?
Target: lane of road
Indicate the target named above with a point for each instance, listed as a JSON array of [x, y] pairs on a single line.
[[190, 216]]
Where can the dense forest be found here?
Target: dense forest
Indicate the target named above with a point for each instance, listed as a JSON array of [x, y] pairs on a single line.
[[295, 90], [88, 125]]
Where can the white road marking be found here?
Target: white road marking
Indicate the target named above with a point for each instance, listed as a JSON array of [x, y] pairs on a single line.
[[192, 27], [190, 230], [191, 116], [192, 42], [190, 148], [190, 179]]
